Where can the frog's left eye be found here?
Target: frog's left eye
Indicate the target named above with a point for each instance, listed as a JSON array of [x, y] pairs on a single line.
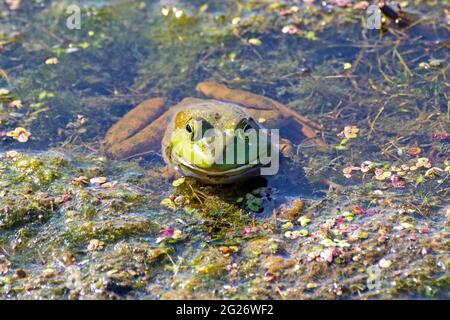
[[189, 128]]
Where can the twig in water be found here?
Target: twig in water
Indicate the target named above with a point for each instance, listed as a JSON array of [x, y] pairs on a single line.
[[403, 63], [372, 124]]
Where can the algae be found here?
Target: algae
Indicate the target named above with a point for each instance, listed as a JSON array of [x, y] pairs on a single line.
[[373, 220]]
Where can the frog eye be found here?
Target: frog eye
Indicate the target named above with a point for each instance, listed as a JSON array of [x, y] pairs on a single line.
[[190, 129]]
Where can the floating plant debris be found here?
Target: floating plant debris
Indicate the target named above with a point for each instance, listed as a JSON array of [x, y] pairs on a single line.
[[363, 217], [19, 134]]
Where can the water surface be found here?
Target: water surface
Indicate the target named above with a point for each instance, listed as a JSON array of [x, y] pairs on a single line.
[[367, 220]]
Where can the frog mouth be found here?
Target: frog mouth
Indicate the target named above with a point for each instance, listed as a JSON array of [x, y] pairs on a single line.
[[217, 177], [241, 169]]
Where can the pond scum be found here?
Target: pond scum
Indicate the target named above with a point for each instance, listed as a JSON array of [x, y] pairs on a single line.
[[75, 225]]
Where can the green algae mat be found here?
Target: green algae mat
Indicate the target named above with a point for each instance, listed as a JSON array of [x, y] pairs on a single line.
[[368, 219]]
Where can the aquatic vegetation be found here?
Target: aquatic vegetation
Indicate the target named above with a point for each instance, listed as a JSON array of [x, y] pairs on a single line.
[[76, 225]]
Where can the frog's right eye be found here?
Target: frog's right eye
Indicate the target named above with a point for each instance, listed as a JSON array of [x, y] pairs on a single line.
[[189, 128]]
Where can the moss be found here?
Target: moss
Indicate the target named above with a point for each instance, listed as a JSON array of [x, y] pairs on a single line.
[[210, 263], [47, 222], [80, 234]]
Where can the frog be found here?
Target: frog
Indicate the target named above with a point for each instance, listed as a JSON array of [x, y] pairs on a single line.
[[194, 125]]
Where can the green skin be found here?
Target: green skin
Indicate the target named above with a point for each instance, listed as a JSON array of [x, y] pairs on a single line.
[[192, 135]]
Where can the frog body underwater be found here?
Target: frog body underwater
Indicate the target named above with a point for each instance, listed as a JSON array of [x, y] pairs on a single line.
[[187, 133]]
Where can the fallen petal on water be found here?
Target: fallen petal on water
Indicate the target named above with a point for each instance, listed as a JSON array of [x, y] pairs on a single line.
[[179, 182], [98, 180], [19, 134], [384, 263], [414, 151], [52, 61]]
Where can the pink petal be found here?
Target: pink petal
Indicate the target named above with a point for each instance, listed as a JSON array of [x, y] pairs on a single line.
[[22, 138]]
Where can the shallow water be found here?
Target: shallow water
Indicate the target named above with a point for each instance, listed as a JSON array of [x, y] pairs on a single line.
[[334, 232]]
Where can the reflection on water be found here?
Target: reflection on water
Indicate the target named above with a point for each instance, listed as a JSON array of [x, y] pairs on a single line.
[[379, 198]]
